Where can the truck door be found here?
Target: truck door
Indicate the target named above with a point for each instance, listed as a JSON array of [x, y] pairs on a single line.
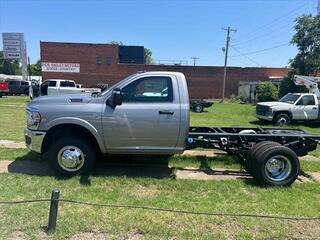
[[148, 121], [67, 87], [306, 108], [49, 88]]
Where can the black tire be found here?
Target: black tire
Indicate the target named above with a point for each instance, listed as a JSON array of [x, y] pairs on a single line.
[[198, 108], [253, 154], [74, 145], [287, 172], [281, 119]]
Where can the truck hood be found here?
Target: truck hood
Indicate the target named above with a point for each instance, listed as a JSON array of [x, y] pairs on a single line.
[[275, 104], [82, 98]]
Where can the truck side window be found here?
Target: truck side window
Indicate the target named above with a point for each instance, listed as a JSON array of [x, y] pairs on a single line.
[[67, 84], [307, 100], [24, 83], [149, 89], [52, 83]]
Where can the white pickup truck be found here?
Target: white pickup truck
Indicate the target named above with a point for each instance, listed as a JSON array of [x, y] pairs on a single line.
[[58, 87], [292, 107]]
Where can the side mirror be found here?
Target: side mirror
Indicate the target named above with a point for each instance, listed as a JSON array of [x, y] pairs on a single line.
[[115, 98]]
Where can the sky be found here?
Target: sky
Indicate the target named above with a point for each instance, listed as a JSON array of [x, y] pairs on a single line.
[[172, 29]]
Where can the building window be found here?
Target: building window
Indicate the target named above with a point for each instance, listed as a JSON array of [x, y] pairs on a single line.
[[99, 60], [108, 60]]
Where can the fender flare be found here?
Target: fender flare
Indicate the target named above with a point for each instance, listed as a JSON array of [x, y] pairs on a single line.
[[80, 122]]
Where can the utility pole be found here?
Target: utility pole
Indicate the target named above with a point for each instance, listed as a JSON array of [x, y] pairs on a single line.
[[229, 30], [194, 60]]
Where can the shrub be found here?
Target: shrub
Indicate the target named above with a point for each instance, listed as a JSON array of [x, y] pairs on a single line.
[[267, 91]]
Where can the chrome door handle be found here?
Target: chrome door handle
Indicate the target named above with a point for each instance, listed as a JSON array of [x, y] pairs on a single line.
[[166, 112]]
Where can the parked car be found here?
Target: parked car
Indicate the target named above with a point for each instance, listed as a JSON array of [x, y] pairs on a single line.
[[18, 87], [148, 113], [4, 89], [197, 105], [292, 107], [58, 87]]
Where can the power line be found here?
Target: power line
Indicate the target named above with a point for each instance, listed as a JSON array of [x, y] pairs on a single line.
[[244, 55], [266, 35], [284, 17], [263, 50]]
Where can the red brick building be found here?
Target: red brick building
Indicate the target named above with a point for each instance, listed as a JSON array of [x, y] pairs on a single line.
[[90, 64]]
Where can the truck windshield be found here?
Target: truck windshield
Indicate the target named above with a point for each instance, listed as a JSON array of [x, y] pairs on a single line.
[[290, 98], [116, 85]]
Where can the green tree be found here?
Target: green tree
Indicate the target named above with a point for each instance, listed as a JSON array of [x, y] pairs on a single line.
[[267, 91], [35, 69], [307, 60], [9, 67], [148, 55], [307, 39]]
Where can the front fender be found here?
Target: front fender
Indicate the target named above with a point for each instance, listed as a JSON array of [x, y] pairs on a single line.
[[80, 122]]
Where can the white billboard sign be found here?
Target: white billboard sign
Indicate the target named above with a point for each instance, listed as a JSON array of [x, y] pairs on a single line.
[[13, 45], [10, 55], [11, 42], [7, 48], [60, 67], [12, 36]]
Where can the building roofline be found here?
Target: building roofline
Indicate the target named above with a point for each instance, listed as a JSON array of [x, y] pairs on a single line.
[[77, 43]]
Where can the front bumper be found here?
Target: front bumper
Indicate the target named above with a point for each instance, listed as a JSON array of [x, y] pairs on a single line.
[[34, 139], [267, 118]]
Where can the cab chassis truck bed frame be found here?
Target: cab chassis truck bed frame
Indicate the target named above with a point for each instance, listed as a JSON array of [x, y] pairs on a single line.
[[270, 154]]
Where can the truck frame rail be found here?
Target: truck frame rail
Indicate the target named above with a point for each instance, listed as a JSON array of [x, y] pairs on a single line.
[[239, 140]]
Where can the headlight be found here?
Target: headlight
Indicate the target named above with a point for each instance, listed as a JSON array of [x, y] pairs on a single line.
[[33, 119], [269, 111]]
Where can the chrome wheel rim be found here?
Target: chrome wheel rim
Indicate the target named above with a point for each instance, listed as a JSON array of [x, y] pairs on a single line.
[[198, 108], [71, 158], [282, 121], [278, 168]]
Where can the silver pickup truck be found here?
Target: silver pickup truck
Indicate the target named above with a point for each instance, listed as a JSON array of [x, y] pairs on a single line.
[[148, 114]]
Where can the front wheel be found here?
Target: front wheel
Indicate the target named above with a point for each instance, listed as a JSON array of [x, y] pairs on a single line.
[[72, 156], [281, 119]]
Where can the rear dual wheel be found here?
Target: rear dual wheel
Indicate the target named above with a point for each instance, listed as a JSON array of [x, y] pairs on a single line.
[[273, 165]]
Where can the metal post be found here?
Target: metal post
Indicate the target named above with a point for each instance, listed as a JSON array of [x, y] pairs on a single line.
[[194, 60], [24, 64], [53, 214], [226, 60]]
